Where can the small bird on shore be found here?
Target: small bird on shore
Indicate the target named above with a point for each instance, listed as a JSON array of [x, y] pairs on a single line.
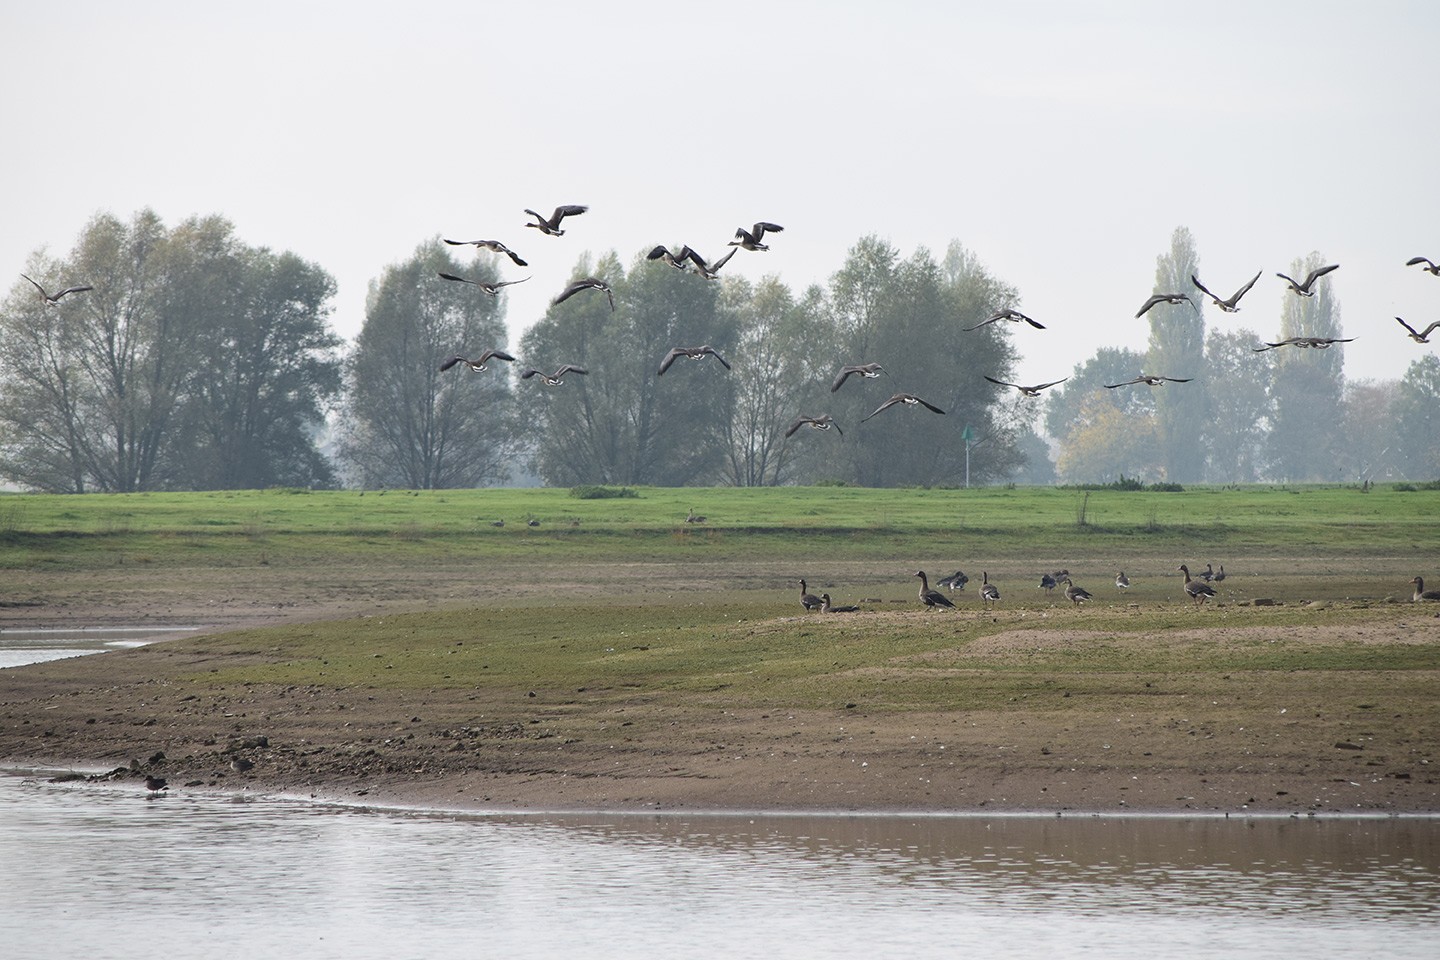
[[53, 298], [1122, 582], [822, 422], [1421, 594], [1307, 289], [556, 378], [1430, 266], [1026, 391], [491, 288], [750, 239], [1149, 381], [1197, 590], [1230, 305], [931, 598], [241, 765], [585, 283], [1219, 574], [825, 606], [1172, 298], [693, 517], [1047, 582], [1076, 595], [551, 226], [1014, 316], [868, 371], [808, 600], [1419, 336], [690, 353], [477, 366], [494, 246], [907, 399], [155, 784], [1318, 343], [989, 593]]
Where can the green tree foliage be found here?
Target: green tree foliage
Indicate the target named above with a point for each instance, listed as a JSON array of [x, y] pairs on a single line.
[[1177, 349], [1372, 444], [1235, 434], [1308, 385], [408, 424], [118, 389], [1103, 433], [1417, 420]]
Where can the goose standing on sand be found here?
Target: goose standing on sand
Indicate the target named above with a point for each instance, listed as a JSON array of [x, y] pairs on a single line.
[[1232, 304], [1047, 582], [477, 366], [494, 246], [551, 226], [1419, 336], [1171, 298], [825, 606], [1011, 314], [689, 353], [1122, 582], [1149, 381], [1219, 574], [556, 378], [53, 298], [869, 371], [1026, 391], [1076, 595], [750, 239], [808, 600], [908, 399], [931, 598], [822, 422], [586, 283], [1307, 289], [1207, 574], [491, 288], [989, 593], [1430, 266], [956, 581], [1421, 593], [1197, 590]]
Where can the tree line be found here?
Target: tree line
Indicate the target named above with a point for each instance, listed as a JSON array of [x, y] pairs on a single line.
[[198, 362]]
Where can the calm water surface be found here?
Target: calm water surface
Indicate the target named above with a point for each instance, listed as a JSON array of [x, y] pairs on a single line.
[[104, 871], [22, 645]]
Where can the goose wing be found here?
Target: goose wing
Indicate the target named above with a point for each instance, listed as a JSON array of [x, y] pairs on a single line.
[[723, 362], [669, 359], [1429, 264], [568, 210], [570, 368], [451, 276], [898, 398], [1003, 383], [763, 227], [1046, 386], [493, 354], [1319, 272], [1157, 298], [1124, 383], [845, 373], [451, 362], [1203, 289], [1245, 289]]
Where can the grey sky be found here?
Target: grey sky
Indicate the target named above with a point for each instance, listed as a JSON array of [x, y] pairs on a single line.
[[1061, 143]]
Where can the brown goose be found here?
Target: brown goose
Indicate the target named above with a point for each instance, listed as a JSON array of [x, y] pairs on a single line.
[[1149, 381], [491, 288], [1047, 582], [989, 593], [1197, 590], [908, 399], [1307, 289], [1122, 582], [1207, 574], [1430, 265], [825, 606], [55, 297], [808, 600], [494, 246], [1421, 593], [556, 378], [1219, 574], [1232, 304], [822, 422], [1076, 595], [680, 261], [931, 598], [1318, 343], [750, 239], [551, 227], [690, 353], [477, 366], [585, 283], [155, 784], [869, 371], [1026, 391], [956, 581], [1166, 298], [710, 271], [1014, 316], [1419, 336]]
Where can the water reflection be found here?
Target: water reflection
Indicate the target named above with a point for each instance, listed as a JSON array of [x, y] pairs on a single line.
[[118, 875]]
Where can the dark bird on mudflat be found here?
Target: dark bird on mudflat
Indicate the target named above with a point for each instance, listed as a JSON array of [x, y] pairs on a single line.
[[1014, 316], [1167, 298], [822, 422], [1027, 391], [477, 366], [932, 598], [1430, 266], [491, 288], [908, 399], [1307, 289], [750, 239], [956, 581], [808, 600], [551, 227], [1317, 343], [1149, 381], [868, 371], [585, 283], [1419, 336], [494, 246], [690, 353], [826, 607], [155, 784], [556, 378], [55, 297], [1232, 304]]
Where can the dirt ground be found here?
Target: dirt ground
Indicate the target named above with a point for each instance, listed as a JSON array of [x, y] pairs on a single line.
[[540, 750]]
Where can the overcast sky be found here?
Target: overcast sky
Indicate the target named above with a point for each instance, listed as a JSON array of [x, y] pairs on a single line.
[[1062, 143]]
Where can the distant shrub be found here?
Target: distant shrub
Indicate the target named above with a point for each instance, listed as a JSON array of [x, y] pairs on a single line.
[[1130, 484], [1167, 487], [1403, 487], [597, 492], [830, 483]]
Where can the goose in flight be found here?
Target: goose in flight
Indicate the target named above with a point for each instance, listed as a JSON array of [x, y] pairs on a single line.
[[710, 271], [1166, 298], [556, 378], [1419, 336], [750, 239], [1027, 391], [908, 399], [690, 353], [551, 227], [868, 371], [491, 288], [822, 422], [932, 598], [680, 261], [1230, 305], [1319, 343], [1149, 381], [494, 246], [55, 297], [1015, 316], [477, 366], [1307, 289], [1430, 266], [585, 283]]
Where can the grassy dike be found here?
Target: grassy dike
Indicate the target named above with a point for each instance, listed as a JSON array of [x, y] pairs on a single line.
[[617, 657]]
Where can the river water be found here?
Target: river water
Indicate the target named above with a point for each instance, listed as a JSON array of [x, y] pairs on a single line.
[[105, 871]]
